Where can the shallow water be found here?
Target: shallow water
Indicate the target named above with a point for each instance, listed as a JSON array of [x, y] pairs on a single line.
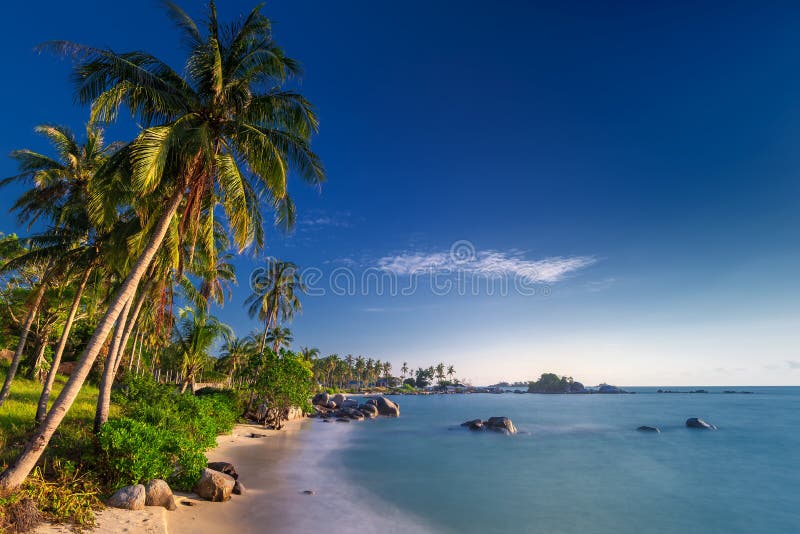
[[577, 465]]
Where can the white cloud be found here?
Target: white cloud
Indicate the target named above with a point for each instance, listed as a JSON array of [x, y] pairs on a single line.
[[318, 218], [489, 262]]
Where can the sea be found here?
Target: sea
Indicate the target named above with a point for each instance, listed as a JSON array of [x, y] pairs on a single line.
[[576, 465]]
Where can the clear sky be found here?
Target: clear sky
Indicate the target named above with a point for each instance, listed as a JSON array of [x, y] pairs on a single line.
[[635, 167]]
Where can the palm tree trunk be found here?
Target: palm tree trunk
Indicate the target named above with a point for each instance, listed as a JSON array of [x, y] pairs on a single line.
[[104, 397], [133, 316], [26, 328], [12, 477], [41, 410], [40, 348]]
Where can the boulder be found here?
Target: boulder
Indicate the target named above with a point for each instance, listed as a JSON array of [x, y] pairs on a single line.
[[577, 387], [158, 493], [372, 402], [331, 405], [369, 410], [224, 467], [645, 428], [696, 422], [342, 419], [387, 407], [349, 403], [294, 412], [238, 488], [129, 498], [339, 399], [321, 399], [500, 424], [475, 424], [214, 486]]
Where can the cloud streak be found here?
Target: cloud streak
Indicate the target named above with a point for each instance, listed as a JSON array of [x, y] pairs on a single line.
[[488, 262]]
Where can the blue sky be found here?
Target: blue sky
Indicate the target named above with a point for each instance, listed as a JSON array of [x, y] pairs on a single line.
[[637, 164]]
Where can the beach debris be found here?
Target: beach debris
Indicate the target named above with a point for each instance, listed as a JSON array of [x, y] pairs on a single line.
[[308, 492], [158, 493], [214, 486], [238, 488], [495, 424], [128, 498], [475, 424], [696, 422], [387, 407], [645, 428], [22, 516], [224, 467]]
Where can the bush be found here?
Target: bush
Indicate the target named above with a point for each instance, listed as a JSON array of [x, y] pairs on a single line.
[[134, 452]]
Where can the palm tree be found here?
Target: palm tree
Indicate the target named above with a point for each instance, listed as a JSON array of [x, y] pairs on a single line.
[[404, 369], [193, 337], [226, 113], [279, 337], [235, 353], [440, 373], [309, 353], [274, 298], [387, 369], [451, 371]]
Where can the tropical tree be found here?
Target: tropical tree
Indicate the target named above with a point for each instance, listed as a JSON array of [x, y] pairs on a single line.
[[275, 294], [440, 373], [221, 132], [193, 338], [451, 372], [279, 337], [235, 352], [404, 369], [309, 353]]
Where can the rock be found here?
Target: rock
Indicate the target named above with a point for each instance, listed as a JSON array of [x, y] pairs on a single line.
[[500, 424], [321, 399], [696, 422], [214, 486], [475, 424], [349, 403], [331, 405], [308, 492], [294, 412], [645, 428], [387, 407], [342, 419], [339, 399], [326, 420], [372, 402], [224, 467], [158, 493], [254, 435], [369, 410], [238, 488], [577, 387], [129, 498]]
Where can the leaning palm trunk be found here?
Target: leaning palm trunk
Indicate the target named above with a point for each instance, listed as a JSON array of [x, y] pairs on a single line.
[[104, 397], [39, 358], [12, 477], [23, 337], [133, 316], [41, 410]]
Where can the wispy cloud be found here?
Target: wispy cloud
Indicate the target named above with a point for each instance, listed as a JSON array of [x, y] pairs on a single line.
[[488, 262], [318, 219]]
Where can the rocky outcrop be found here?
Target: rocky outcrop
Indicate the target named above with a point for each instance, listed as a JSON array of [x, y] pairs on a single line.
[[321, 399], [338, 399], [696, 422], [238, 488], [475, 424], [129, 498], [495, 424], [369, 410], [158, 493], [349, 403], [577, 387], [645, 428], [215, 486], [224, 467], [387, 407]]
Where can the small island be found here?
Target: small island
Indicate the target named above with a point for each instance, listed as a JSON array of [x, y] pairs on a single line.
[[553, 384]]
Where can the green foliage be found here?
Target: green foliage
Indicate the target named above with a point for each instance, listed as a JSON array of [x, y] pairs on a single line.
[[163, 434], [551, 383], [285, 380]]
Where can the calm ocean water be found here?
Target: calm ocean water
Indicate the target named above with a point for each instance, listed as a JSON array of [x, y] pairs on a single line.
[[577, 465]]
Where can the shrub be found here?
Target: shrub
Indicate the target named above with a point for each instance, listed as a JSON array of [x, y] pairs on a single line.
[[134, 452]]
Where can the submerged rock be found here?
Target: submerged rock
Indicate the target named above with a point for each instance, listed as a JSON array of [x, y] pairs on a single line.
[[342, 419], [696, 422], [224, 467], [645, 428], [214, 486], [369, 410], [158, 493], [129, 498], [475, 424], [500, 424]]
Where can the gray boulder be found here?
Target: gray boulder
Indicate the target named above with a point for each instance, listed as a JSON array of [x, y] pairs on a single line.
[[349, 403], [369, 410], [372, 402], [238, 488], [342, 420], [321, 399], [696, 422], [645, 428], [215, 486], [500, 424], [387, 407], [475, 424], [129, 498], [331, 405], [224, 467], [339, 399], [158, 493]]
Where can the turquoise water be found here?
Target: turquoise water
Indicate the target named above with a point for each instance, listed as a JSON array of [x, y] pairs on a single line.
[[578, 464]]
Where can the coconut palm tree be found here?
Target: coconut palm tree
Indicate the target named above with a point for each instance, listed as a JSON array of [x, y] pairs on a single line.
[[440, 373], [274, 298], [193, 337], [223, 127], [309, 353], [279, 337], [451, 371], [235, 353], [404, 369]]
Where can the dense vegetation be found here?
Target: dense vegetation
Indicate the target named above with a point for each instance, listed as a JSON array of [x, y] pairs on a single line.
[[552, 383]]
